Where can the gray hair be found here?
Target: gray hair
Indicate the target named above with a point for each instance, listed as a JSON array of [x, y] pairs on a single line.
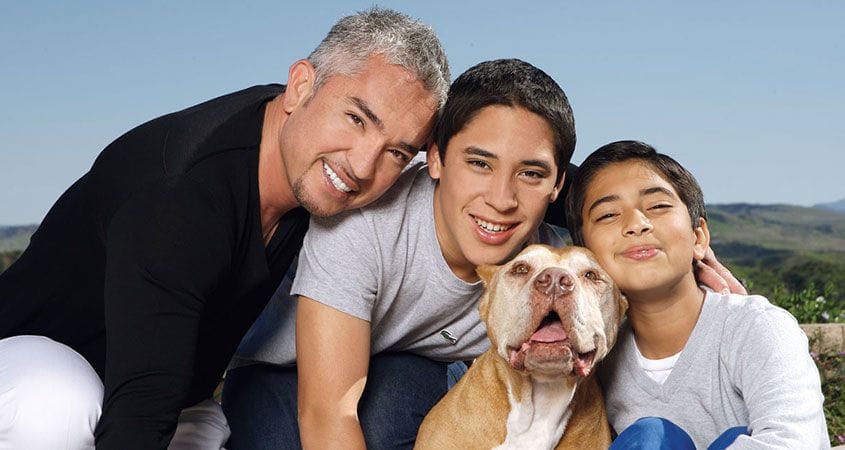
[[400, 39]]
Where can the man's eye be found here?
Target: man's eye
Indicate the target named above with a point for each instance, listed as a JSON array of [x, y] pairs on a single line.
[[355, 119], [399, 155], [520, 269]]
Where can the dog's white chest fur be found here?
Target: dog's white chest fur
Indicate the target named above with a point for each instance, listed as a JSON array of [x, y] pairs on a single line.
[[537, 420]]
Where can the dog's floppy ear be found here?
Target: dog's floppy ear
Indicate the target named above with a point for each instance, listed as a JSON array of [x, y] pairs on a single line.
[[623, 304], [612, 327], [486, 273]]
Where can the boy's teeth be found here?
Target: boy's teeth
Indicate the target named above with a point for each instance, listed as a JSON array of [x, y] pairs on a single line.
[[336, 181], [491, 227]]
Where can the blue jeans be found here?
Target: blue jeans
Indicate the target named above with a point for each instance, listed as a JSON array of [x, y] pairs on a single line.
[[260, 402], [657, 433]]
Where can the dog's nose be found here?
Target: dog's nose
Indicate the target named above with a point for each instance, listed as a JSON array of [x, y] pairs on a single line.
[[554, 281]]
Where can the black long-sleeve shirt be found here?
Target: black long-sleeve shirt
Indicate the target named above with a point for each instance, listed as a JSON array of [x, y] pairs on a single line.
[[152, 265]]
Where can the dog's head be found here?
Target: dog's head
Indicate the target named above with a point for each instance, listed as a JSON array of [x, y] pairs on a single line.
[[551, 311]]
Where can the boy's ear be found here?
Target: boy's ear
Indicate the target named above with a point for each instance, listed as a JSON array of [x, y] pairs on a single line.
[[558, 187], [435, 166], [702, 239], [300, 85]]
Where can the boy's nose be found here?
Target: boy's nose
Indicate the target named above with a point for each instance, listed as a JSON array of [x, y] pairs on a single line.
[[501, 195], [638, 224]]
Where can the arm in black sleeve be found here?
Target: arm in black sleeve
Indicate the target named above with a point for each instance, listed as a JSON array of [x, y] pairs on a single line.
[[166, 250], [556, 214]]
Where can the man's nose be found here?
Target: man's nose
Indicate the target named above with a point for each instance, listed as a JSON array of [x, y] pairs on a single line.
[[363, 159]]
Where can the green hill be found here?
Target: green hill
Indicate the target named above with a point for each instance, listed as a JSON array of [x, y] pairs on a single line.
[[13, 240], [15, 237], [782, 250]]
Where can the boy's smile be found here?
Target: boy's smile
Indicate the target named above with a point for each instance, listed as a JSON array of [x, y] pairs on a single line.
[[498, 178], [640, 230]]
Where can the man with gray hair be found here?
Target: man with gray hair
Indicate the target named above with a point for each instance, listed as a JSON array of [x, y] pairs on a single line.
[[119, 319]]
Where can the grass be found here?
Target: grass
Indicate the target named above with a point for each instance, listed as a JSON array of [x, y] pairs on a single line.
[[831, 366]]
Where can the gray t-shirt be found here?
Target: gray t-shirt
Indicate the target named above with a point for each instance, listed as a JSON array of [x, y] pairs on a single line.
[[746, 363], [382, 264]]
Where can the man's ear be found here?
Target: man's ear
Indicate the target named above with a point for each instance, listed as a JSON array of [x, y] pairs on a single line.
[[558, 187], [300, 85], [702, 239], [435, 166]]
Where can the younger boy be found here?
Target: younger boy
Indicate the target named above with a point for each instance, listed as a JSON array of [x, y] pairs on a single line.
[[699, 368]]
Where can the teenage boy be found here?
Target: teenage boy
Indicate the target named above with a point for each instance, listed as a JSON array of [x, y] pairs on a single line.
[[691, 368], [397, 279], [146, 273]]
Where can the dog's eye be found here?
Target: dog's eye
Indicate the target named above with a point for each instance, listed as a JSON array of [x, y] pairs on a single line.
[[592, 276], [520, 269]]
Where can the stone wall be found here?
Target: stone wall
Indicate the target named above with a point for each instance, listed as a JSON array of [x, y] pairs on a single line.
[[825, 336]]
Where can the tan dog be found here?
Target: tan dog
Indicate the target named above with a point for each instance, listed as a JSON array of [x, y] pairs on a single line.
[[551, 315]]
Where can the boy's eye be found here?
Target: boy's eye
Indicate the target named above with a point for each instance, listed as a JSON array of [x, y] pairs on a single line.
[[661, 206], [605, 216], [479, 163], [534, 174]]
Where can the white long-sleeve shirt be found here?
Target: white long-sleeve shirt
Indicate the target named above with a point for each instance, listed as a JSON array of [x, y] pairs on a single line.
[[746, 363]]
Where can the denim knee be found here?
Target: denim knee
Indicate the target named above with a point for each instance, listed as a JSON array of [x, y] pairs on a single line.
[[260, 405], [401, 389], [653, 433]]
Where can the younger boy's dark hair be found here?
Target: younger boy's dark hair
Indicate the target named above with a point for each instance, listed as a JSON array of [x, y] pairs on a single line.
[[508, 82], [621, 151]]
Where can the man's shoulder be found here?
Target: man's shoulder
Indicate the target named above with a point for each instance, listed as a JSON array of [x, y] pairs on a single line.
[[183, 138]]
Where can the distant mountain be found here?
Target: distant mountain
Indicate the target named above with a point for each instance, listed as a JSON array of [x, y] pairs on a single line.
[[838, 206], [772, 245], [15, 237], [785, 227]]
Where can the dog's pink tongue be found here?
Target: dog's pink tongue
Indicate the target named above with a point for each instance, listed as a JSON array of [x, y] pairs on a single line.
[[551, 332]]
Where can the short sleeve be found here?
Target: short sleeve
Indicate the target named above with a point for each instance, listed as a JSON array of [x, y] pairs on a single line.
[[339, 264]]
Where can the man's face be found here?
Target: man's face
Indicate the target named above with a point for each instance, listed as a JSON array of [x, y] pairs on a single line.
[[344, 146], [494, 186], [640, 230]]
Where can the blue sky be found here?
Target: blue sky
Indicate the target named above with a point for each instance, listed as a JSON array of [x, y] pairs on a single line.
[[748, 95]]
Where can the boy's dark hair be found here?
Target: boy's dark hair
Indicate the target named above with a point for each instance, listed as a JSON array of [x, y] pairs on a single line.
[[616, 152], [508, 82]]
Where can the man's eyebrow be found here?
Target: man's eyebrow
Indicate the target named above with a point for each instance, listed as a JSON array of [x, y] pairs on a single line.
[[362, 105]]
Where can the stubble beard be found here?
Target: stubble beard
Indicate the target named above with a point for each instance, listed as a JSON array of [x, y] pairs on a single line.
[[307, 201]]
